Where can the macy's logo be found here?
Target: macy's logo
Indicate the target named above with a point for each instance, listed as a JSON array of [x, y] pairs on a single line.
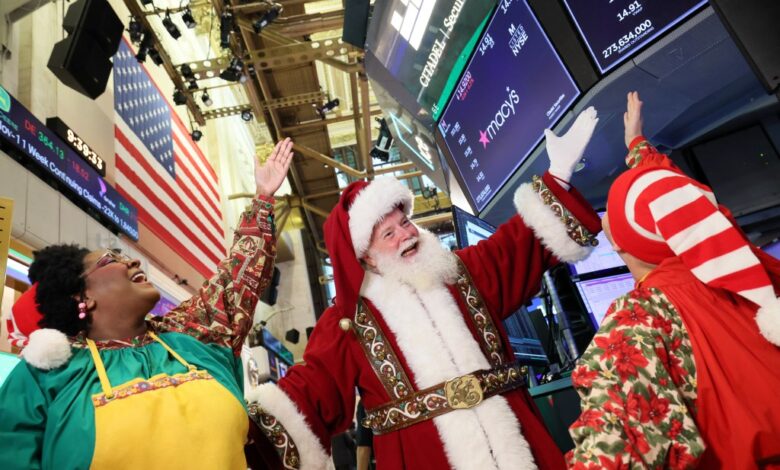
[[413, 22], [505, 111]]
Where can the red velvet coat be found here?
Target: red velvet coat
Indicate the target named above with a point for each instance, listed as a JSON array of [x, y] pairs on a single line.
[[428, 330]]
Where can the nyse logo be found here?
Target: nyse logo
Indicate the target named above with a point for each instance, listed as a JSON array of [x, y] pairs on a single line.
[[413, 21], [504, 113]]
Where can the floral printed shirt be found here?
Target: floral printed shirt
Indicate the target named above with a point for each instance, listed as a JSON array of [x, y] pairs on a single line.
[[637, 381]]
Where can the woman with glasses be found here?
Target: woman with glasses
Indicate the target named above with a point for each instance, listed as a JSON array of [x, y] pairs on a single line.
[[103, 386]]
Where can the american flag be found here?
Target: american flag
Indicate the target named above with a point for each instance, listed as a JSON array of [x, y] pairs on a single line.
[[162, 171]]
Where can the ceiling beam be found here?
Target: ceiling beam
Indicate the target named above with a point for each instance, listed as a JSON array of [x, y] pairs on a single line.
[[298, 53], [173, 73], [324, 122]]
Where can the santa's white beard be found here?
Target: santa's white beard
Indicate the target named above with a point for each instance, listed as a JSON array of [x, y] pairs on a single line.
[[431, 266]]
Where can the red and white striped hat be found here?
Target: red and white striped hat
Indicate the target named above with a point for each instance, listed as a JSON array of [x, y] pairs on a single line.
[[657, 212]]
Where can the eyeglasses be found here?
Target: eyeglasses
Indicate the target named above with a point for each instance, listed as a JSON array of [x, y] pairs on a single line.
[[109, 257]]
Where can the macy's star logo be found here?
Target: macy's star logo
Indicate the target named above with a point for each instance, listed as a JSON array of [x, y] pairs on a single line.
[[483, 139]]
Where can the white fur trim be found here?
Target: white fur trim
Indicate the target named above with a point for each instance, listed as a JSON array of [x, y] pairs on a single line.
[[768, 319], [433, 338], [47, 349], [547, 226], [276, 402], [371, 205]]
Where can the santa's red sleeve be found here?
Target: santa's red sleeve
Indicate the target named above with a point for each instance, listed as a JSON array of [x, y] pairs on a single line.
[[551, 224], [314, 401]]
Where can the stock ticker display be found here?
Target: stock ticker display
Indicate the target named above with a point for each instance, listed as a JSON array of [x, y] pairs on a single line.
[[514, 88], [37, 143], [614, 30]]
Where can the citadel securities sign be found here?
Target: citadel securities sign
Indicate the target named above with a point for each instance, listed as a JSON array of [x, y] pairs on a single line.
[[425, 44], [31, 141]]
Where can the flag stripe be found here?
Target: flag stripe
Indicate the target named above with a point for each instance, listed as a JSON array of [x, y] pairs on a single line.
[[194, 150], [181, 182], [200, 164], [162, 211], [153, 225], [195, 182], [138, 165], [206, 182]]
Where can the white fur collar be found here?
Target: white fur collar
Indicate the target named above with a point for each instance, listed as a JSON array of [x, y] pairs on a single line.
[[433, 338]]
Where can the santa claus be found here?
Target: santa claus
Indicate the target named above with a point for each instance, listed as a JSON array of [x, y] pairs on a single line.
[[416, 330]]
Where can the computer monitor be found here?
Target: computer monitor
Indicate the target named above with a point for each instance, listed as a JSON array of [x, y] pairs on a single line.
[[469, 229], [598, 294], [772, 248], [602, 258]]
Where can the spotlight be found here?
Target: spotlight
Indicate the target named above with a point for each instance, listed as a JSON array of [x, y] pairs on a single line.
[[206, 98], [246, 115], [188, 19], [146, 2], [267, 18], [155, 55], [186, 71], [381, 149], [292, 336], [172, 29], [193, 85], [226, 24], [234, 72], [179, 97], [143, 48], [328, 107], [196, 135], [136, 30]]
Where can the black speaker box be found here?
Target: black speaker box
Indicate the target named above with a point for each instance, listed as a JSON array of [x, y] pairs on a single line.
[[356, 22], [98, 19], [82, 61], [753, 24]]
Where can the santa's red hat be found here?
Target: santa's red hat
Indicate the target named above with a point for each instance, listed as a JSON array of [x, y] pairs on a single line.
[[656, 212], [348, 231], [44, 348]]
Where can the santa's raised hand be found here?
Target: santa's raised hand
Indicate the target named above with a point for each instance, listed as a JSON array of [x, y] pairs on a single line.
[[270, 175], [565, 151]]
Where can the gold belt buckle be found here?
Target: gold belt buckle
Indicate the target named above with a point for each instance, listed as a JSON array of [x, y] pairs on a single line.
[[463, 392]]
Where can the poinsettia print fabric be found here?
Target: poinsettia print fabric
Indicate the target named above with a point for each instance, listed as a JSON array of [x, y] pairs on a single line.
[[637, 381]]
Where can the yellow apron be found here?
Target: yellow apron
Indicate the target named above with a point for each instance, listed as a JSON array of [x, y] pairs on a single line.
[[184, 420]]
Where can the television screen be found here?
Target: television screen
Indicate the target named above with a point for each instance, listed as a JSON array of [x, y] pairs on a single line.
[[598, 294], [614, 30], [514, 88], [743, 170], [413, 138], [469, 229], [424, 45], [602, 257], [773, 249]]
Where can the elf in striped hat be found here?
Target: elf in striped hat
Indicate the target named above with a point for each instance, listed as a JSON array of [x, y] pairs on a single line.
[[684, 369]]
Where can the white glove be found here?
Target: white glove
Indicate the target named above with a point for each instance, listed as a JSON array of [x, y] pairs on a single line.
[[567, 150]]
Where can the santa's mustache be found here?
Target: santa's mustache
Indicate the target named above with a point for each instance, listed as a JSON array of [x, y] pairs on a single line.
[[406, 245]]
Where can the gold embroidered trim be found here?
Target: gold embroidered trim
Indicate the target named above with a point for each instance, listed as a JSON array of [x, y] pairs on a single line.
[[277, 434], [463, 392], [155, 383], [489, 339], [380, 354], [574, 228]]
